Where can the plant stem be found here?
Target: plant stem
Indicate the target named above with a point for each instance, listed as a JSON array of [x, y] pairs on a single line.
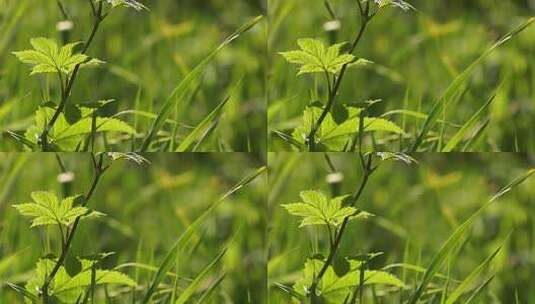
[[98, 18], [99, 170], [62, 10], [366, 17], [367, 171]]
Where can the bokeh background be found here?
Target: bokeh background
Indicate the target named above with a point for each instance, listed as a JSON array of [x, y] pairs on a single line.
[[416, 209], [146, 52], [417, 55], [148, 207]]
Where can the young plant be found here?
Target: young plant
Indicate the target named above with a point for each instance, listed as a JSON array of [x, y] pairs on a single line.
[[320, 283], [319, 129], [52, 282], [331, 124], [62, 126], [324, 280]]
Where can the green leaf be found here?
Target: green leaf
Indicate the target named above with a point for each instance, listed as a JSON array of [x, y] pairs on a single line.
[[66, 136], [315, 57], [334, 136], [47, 210], [333, 288], [47, 57], [103, 124], [317, 209], [67, 288]]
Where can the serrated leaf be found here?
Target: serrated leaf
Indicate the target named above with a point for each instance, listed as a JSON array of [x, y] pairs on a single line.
[[333, 288], [103, 124], [315, 57], [66, 136], [48, 210], [47, 57], [66, 288], [317, 209], [334, 136]]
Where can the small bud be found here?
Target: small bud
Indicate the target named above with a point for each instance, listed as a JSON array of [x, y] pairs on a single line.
[[332, 26], [66, 177], [335, 178], [64, 26]]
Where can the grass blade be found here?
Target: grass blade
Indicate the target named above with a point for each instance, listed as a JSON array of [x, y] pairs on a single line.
[[479, 290], [474, 141], [458, 83], [8, 28], [210, 289], [21, 139], [188, 292], [203, 137], [288, 290], [185, 238], [468, 281], [288, 139], [33, 298], [205, 123], [181, 91], [439, 258], [456, 139]]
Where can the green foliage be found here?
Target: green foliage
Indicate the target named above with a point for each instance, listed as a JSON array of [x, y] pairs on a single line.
[[187, 294], [67, 136], [187, 236], [456, 87], [334, 288], [196, 134], [66, 288], [183, 88], [458, 235], [317, 209], [48, 210], [47, 57], [333, 135], [315, 57]]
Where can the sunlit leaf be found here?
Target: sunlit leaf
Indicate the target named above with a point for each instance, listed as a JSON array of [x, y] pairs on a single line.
[[315, 57], [48, 210], [317, 209], [333, 288], [47, 57]]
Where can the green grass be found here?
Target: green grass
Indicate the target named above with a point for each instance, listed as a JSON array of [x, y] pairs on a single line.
[[148, 208], [425, 63], [444, 226], [147, 54]]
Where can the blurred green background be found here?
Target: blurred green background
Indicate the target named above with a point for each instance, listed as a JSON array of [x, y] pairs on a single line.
[[146, 52], [417, 54], [148, 207], [416, 209]]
